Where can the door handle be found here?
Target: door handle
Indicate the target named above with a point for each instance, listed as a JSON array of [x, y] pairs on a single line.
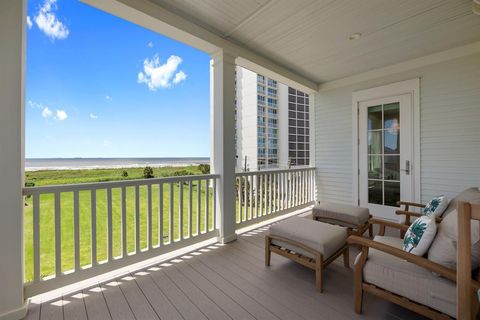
[[407, 167]]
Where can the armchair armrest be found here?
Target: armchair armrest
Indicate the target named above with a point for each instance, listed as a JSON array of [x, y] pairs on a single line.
[[413, 204], [447, 273], [388, 223], [409, 214]]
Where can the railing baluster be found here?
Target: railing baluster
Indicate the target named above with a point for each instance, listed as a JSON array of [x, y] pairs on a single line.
[[171, 212], [199, 204], [36, 237], [275, 193], [257, 186], [250, 181], [265, 212], [149, 216], [245, 201], [190, 209], [207, 202], [180, 209], [93, 226], [76, 230], [214, 203], [124, 222], [270, 210], [137, 219], [160, 214], [240, 216], [109, 225], [260, 211], [58, 236]]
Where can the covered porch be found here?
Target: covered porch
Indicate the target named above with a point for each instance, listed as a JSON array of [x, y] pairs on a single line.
[[336, 52]]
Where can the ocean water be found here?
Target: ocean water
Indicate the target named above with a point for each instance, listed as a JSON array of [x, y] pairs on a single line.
[[103, 163]]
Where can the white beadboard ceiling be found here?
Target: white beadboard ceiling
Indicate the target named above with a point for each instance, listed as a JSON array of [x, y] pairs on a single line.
[[311, 36]]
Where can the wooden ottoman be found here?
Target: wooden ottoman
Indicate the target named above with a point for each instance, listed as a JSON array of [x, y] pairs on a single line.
[[310, 243], [353, 217]]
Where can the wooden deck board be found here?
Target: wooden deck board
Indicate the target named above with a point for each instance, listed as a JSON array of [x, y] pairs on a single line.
[[187, 309], [223, 282], [74, 307], [116, 302], [95, 303], [234, 310], [137, 301]]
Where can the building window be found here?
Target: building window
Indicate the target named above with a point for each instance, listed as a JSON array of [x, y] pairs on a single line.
[[298, 128], [260, 78]]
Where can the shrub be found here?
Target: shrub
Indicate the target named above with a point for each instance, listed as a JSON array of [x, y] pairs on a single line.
[[182, 172], [124, 173], [204, 168], [148, 173]]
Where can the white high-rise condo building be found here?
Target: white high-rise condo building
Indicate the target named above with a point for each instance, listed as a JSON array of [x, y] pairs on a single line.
[[272, 123]]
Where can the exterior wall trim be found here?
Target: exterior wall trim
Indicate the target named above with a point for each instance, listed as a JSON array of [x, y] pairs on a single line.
[[411, 86]]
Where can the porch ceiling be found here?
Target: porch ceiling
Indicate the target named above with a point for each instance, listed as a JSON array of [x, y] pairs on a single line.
[[311, 36]]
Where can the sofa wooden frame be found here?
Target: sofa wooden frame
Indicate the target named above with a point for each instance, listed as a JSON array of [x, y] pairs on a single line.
[[360, 286], [467, 306], [317, 264], [358, 230]]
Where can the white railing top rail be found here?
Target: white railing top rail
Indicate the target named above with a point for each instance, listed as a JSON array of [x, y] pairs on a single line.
[[114, 184], [268, 171]]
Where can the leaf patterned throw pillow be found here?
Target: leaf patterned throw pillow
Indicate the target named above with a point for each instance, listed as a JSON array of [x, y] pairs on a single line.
[[420, 235], [436, 206]]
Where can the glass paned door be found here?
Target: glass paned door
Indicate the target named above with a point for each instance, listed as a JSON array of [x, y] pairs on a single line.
[[385, 150], [384, 154]]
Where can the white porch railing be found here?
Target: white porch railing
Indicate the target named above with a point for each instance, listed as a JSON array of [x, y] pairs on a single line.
[[73, 232], [262, 195]]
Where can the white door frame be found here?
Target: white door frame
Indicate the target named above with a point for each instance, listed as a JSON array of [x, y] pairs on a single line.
[[395, 89]]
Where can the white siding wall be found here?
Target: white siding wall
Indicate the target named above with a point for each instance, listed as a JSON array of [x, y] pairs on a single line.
[[449, 134]]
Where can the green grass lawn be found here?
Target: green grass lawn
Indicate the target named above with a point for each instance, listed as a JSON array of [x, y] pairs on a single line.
[[47, 225]]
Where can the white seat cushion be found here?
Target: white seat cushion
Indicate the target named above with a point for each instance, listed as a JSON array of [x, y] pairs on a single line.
[[322, 237], [409, 280], [351, 215]]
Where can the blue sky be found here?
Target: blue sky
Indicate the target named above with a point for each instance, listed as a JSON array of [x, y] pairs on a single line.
[[99, 86]]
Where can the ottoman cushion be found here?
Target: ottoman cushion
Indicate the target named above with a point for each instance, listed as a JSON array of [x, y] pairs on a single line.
[[323, 237], [351, 215]]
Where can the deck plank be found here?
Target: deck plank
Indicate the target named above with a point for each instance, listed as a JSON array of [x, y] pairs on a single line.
[[33, 312], [196, 296], [236, 311], [116, 302], [52, 310], [216, 263], [186, 308], [160, 303], [256, 309], [95, 303], [74, 307], [139, 304]]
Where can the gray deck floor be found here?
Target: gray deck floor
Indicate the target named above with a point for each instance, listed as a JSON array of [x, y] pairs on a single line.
[[222, 282]]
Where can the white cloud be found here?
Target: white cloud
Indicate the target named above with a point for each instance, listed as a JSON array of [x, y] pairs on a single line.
[[179, 77], [48, 22], [93, 116], [34, 104], [150, 44], [46, 113], [108, 98], [61, 115], [157, 75], [29, 22]]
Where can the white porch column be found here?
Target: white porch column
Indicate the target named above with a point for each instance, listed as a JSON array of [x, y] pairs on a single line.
[[223, 140], [12, 58]]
